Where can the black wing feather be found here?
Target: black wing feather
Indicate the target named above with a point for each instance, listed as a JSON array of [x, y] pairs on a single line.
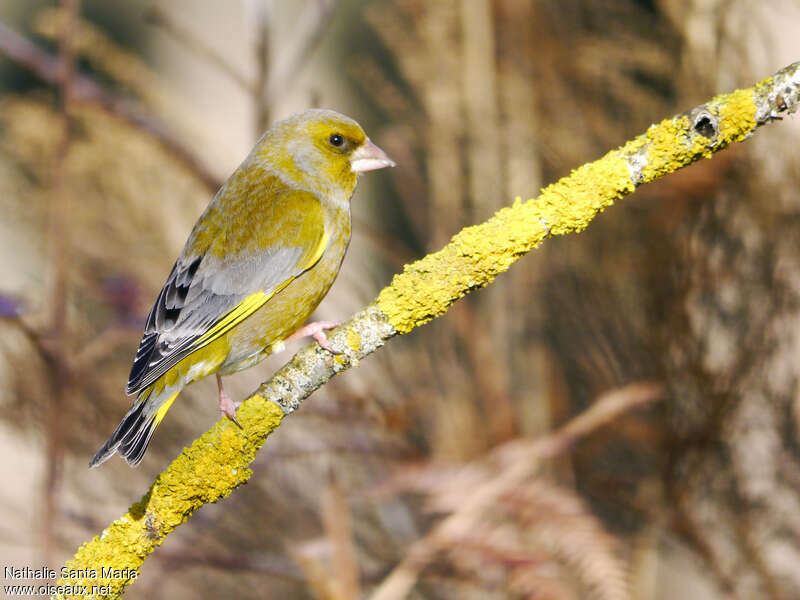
[[163, 315]]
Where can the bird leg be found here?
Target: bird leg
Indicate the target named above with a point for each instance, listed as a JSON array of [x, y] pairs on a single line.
[[226, 405], [317, 330]]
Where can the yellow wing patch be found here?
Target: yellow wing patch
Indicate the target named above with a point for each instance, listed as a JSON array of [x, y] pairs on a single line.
[[317, 253], [256, 300], [239, 313]]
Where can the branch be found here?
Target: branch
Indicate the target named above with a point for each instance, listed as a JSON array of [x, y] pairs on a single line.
[[45, 66], [309, 30], [218, 462], [196, 44], [521, 460], [59, 242]]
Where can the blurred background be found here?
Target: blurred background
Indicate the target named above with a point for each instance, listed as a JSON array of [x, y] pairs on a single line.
[[680, 306]]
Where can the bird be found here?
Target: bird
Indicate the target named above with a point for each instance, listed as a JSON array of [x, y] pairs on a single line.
[[258, 261]]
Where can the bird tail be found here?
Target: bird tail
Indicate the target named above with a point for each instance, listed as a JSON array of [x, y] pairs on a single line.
[[133, 434]]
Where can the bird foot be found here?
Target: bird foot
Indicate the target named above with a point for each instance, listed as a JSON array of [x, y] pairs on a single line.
[[317, 330], [226, 405]]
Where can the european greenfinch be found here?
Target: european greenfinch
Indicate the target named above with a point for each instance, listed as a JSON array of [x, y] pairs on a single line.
[[257, 263]]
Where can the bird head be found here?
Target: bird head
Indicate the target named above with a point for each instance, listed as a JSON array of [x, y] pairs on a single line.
[[321, 151]]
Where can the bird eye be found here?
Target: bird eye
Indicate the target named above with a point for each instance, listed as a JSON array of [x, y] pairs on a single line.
[[336, 139]]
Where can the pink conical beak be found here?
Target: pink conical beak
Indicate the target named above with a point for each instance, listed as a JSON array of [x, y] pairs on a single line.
[[369, 158]]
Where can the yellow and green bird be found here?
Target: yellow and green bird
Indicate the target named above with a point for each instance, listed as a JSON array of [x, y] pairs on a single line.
[[256, 265]]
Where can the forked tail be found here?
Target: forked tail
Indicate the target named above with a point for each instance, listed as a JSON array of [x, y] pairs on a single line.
[[133, 434]]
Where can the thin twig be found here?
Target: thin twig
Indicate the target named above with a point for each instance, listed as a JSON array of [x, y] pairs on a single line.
[[261, 100], [522, 460], [59, 242], [311, 27], [100, 346], [45, 67], [338, 522], [272, 566], [34, 336], [155, 15]]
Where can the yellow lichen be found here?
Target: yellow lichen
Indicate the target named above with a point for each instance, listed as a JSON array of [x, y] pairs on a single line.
[[426, 288], [354, 340], [210, 469], [667, 147], [737, 112]]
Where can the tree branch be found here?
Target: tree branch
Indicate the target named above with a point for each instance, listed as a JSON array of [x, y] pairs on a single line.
[[218, 462], [59, 243], [45, 66], [310, 28], [156, 15], [521, 460]]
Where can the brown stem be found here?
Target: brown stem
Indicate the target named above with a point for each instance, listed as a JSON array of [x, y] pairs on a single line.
[[59, 242], [261, 101], [522, 460], [157, 16], [45, 67], [306, 36]]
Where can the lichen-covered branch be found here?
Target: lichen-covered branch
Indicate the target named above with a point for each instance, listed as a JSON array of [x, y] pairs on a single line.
[[218, 462]]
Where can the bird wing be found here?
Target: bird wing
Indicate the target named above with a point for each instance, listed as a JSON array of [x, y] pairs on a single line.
[[217, 283]]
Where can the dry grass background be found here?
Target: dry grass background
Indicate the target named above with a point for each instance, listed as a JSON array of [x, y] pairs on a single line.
[[453, 457]]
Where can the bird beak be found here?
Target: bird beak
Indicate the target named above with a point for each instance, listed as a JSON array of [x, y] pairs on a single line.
[[369, 157]]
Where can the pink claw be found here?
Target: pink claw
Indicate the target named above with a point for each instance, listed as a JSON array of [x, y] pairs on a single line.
[[226, 405], [317, 330]]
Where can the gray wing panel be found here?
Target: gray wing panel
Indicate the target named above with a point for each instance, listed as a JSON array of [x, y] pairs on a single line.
[[198, 293]]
